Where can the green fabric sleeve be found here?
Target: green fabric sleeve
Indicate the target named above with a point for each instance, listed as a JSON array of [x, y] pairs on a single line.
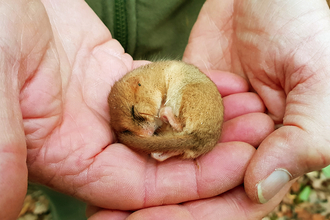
[[149, 29]]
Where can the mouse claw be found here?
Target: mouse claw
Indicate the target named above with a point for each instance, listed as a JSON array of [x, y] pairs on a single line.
[[161, 156]]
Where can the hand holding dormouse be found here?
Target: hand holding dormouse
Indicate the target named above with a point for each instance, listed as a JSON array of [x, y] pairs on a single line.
[[165, 109], [58, 64]]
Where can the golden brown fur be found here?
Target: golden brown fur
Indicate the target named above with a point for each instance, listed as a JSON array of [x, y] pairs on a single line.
[[166, 107]]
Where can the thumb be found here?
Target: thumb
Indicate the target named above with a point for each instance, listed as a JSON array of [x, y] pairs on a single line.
[[287, 153], [13, 170], [301, 145]]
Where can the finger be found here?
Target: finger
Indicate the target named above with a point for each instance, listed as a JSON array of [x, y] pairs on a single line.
[[287, 153], [233, 204], [302, 144], [138, 63], [95, 213], [242, 103], [206, 49], [250, 128], [13, 170], [140, 181], [227, 83]]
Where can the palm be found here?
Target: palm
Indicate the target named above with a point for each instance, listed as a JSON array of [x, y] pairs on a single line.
[[273, 45], [267, 42], [64, 102], [70, 64]]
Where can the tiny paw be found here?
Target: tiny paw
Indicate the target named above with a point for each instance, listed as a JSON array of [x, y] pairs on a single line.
[[161, 156]]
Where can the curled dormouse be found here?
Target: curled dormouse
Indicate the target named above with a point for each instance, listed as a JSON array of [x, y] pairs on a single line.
[[166, 108]]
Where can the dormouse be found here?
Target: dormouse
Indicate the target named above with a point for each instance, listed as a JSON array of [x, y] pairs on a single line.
[[166, 108]]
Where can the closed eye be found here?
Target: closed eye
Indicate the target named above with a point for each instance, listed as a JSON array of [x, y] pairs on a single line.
[[126, 132], [136, 116]]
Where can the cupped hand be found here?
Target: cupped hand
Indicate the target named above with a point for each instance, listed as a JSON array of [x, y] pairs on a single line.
[[218, 172], [58, 64], [282, 48], [233, 204]]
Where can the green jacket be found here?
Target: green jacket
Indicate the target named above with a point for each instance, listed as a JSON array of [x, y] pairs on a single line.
[[149, 29]]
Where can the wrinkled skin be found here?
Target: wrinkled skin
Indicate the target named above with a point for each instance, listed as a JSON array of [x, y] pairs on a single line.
[[282, 48], [58, 63]]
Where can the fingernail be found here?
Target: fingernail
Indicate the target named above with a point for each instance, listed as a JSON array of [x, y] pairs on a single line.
[[270, 186]]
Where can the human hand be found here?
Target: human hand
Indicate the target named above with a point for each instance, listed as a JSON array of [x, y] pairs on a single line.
[[282, 48], [59, 62], [44, 72], [222, 166]]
